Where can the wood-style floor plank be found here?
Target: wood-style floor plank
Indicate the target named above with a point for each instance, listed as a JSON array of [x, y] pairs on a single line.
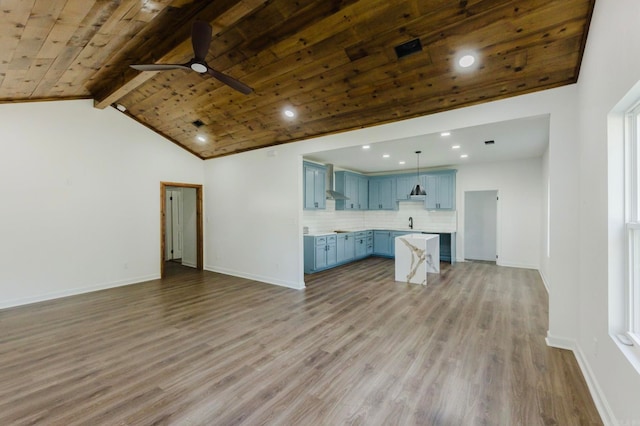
[[355, 347]]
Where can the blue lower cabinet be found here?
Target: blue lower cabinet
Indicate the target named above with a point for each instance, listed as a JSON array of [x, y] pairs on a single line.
[[382, 243], [319, 253], [346, 247], [326, 251], [361, 244]]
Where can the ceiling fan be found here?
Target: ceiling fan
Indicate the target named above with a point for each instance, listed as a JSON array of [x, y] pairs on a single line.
[[200, 39]]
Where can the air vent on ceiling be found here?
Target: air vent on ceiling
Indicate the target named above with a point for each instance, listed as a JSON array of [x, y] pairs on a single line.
[[198, 123], [408, 48], [491, 142]]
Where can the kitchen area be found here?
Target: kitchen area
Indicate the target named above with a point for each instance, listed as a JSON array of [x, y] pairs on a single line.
[[349, 216]]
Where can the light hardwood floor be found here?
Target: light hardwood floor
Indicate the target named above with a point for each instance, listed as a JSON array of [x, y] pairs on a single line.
[[355, 347]]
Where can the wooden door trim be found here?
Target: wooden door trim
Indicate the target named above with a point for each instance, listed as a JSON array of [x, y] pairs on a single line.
[[199, 222]]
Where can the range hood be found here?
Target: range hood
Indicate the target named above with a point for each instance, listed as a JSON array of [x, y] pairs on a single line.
[[331, 193]]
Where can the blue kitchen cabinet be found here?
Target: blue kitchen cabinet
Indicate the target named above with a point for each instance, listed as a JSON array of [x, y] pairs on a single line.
[[404, 185], [356, 187], [320, 252], [369, 243], [381, 243], [346, 247], [440, 189], [382, 193], [314, 186], [361, 244]]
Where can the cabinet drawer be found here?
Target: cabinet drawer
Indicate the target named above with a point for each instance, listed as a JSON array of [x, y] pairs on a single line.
[[321, 241]]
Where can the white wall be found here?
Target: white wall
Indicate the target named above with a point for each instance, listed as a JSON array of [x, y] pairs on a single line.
[[610, 68], [81, 199], [545, 210], [518, 185]]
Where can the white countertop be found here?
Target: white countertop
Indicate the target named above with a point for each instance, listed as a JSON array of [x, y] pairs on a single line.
[[416, 231]]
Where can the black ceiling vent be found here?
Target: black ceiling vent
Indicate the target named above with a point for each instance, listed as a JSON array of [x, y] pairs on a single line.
[[408, 48], [198, 123], [491, 142]]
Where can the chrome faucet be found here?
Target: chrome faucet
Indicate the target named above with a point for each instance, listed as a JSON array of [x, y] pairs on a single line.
[[410, 222]]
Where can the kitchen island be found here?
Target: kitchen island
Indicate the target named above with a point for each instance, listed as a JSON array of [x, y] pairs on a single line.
[[416, 255]]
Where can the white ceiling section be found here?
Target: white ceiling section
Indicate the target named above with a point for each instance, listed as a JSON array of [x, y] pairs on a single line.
[[513, 140]]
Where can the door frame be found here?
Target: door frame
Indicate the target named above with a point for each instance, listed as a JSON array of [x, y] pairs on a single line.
[[199, 222]]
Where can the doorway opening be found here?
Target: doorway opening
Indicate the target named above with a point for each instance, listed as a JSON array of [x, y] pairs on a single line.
[[481, 225], [181, 230]]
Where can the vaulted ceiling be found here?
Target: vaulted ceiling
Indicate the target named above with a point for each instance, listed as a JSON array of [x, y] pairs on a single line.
[[332, 61]]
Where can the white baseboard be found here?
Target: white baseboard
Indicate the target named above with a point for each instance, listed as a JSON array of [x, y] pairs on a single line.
[[74, 291], [544, 280], [508, 264], [560, 342], [594, 388], [608, 419], [260, 278]]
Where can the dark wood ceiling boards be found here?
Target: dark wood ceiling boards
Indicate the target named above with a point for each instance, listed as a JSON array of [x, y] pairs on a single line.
[[331, 60]]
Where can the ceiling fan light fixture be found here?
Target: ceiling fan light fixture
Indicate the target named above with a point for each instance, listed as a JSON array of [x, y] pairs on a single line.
[[198, 67]]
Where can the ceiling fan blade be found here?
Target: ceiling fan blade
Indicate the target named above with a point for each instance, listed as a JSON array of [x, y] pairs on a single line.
[[160, 67], [200, 39], [230, 81]]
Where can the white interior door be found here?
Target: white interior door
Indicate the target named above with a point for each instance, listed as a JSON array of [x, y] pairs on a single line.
[[189, 228], [480, 225]]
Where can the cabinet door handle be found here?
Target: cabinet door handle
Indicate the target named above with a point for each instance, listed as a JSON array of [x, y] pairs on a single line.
[[315, 204]]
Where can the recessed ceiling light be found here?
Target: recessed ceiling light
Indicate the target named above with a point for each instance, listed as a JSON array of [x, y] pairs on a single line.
[[401, 162], [466, 61], [455, 147], [121, 107], [201, 138], [464, 156], [385, 156], [445, 134], [366, 146], [289, 113]]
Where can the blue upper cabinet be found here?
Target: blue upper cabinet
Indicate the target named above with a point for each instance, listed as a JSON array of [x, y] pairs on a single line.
[[314, 186], [441, 190], [355, 187], [404, 185], [382, 193]]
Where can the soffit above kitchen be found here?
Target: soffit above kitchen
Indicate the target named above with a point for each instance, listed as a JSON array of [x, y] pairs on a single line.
[[333, 64], [508, 140]]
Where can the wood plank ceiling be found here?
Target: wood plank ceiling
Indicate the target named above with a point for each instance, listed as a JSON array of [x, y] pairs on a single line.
[[333, 61]]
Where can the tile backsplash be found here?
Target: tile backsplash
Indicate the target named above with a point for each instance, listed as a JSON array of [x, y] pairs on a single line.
[[328, 220]]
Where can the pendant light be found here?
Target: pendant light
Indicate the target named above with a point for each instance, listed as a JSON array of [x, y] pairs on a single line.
[[417, 190]]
